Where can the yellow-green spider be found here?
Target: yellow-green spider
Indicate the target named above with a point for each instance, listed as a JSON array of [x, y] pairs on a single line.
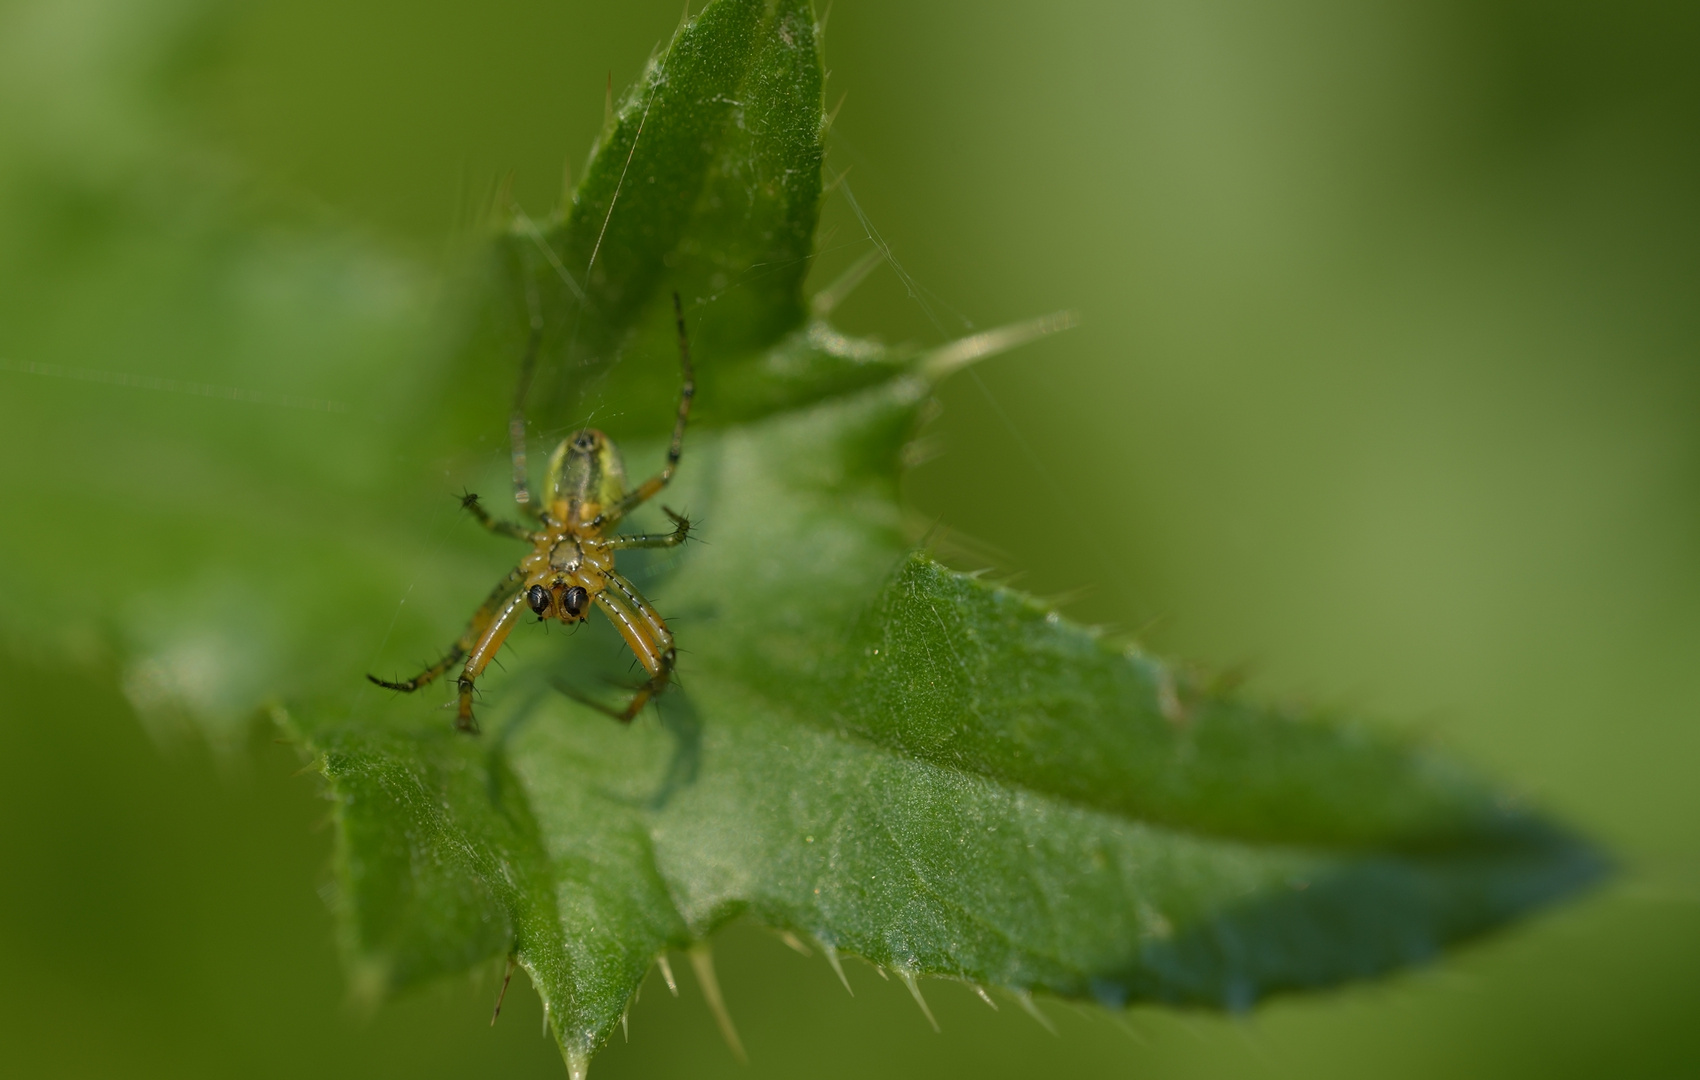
[[571, 564]]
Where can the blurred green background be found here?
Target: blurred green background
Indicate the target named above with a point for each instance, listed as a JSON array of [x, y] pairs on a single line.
[[1386, 391]]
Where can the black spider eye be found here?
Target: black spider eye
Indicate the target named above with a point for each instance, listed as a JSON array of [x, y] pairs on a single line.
[[538, 597], [574, 600]]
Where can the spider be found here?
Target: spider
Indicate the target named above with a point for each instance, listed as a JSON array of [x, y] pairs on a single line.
[[571, 565]]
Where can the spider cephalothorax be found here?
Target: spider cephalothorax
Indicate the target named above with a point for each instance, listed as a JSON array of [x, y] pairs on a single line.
[[571, 565]]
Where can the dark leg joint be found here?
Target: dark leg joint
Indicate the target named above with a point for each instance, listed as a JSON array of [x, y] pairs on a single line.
[[463, 717]]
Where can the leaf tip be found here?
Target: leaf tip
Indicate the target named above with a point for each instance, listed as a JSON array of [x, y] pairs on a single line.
[[908, 978], [837, 968], [830, 297], [702, 962], [1031, 1008], [962, 352], [667, 974], [368, 984]]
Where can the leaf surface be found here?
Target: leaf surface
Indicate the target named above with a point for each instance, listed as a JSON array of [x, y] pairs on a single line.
[[924, 770]]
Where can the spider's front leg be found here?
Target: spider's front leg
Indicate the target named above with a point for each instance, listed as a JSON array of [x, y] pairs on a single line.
[[489, 614], [647, 637], [483, 651]]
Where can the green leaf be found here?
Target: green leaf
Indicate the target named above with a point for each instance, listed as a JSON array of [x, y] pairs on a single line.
[[707, 182], [915, 767], [897, 761]]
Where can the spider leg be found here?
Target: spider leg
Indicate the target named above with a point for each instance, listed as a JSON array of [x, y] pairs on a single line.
[[426, 677], [645, 634], [658, 629], [482, 653], [475, 629], [680, 533], [516, 418], [651, 487], [469, 502], [629, 713]]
